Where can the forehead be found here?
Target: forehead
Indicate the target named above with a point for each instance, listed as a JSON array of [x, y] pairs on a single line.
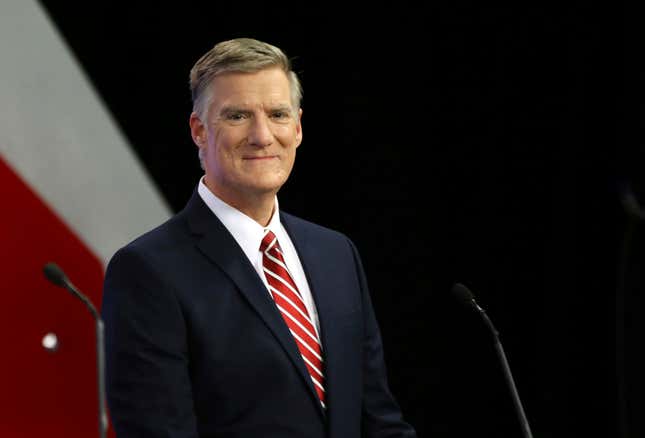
[[264, 87]]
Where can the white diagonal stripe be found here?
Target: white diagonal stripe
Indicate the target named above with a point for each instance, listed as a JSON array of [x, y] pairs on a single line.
[[279, 263], [275, 238], [313, 366], [105, 182], [306, 330], [323, 404], [284, 297], [317, 383], [295, 335], [282, 280]]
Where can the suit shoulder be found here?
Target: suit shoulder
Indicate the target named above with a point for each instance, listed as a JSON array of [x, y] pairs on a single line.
[[302, 225], [158, 240]]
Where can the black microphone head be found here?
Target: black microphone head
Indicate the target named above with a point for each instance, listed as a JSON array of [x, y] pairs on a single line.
[[55, 274], [630, 203], [463, 294]]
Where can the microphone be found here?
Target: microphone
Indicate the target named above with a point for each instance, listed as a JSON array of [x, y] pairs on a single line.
[[630, 203], [467, 298], [56, 276]]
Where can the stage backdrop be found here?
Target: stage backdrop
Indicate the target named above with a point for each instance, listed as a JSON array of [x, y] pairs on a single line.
[[457, 142]]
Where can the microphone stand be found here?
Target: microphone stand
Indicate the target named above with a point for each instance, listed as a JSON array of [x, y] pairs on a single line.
[[58, 277], [100, 375], [507, 375], [635, 216], [466, 297]]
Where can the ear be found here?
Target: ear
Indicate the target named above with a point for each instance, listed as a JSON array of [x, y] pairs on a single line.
[[197, 129], [299, 128]]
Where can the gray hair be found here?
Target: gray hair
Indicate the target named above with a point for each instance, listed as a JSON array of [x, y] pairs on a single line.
[[241, 55]]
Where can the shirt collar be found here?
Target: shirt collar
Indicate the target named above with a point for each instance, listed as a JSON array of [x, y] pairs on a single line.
[[246, 231]]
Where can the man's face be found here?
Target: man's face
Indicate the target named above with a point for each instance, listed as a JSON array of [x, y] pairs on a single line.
[[250, 137]]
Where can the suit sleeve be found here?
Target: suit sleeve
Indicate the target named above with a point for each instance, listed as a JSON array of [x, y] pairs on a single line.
[[381, 415], [147, 378]]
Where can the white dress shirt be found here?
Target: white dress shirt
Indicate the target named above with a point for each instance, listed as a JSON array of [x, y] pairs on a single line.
[[248, 234]]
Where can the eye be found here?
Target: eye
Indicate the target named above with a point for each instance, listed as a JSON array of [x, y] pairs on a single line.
[[236, 117], [281, 115]]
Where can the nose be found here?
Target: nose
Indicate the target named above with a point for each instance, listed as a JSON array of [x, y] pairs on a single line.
[[260, 134]]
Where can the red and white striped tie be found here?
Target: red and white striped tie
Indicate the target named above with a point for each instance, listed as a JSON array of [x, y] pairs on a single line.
[[288, 300]]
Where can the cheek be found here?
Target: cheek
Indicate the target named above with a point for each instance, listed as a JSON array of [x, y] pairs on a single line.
[[221, 145], [291, 159], [288, 135]]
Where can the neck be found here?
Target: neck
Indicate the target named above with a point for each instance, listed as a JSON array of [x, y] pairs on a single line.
[[261, 212]]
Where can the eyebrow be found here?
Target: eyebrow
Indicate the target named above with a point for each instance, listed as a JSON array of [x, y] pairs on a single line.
[[238, 109], [233, 109], [281, 107]]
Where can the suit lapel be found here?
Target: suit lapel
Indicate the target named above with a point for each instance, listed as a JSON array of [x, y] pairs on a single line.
[[219, 246], [308, 254]]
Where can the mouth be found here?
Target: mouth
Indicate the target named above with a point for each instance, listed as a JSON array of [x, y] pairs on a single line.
[[260, 158]]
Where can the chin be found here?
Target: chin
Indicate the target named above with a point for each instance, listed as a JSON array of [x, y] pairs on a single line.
[[267, 184]]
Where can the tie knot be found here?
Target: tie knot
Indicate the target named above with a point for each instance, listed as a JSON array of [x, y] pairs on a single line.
[[268, 241]]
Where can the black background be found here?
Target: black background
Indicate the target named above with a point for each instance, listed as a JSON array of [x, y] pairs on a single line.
[[468, 142]]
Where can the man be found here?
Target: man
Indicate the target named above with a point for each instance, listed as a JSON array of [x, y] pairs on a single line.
[[234, 319]]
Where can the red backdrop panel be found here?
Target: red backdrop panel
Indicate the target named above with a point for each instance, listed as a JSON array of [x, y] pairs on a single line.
[[44, 393]]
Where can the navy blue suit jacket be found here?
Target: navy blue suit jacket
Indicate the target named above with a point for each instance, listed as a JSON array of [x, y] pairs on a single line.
[[195, 346]]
